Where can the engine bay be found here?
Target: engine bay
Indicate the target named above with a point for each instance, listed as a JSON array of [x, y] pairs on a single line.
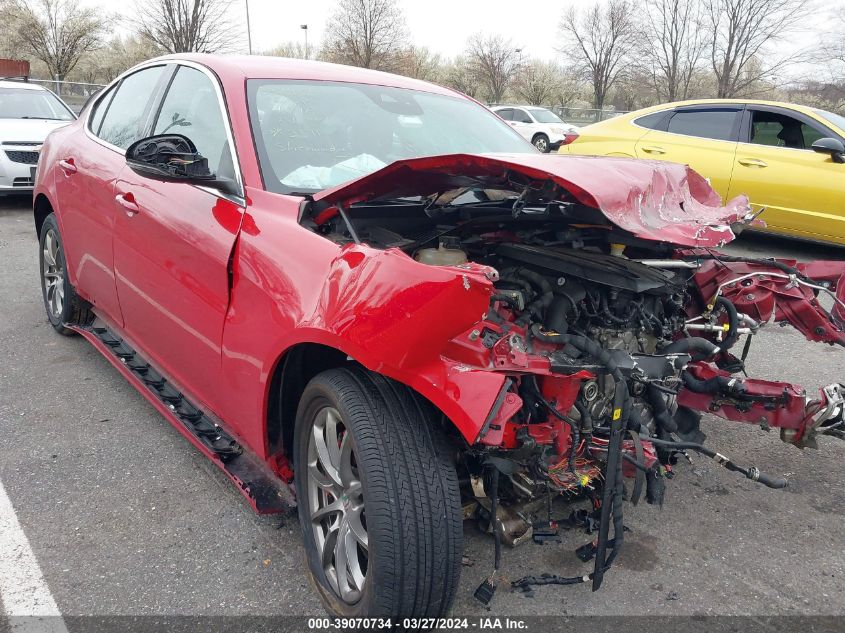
[[612, 345]]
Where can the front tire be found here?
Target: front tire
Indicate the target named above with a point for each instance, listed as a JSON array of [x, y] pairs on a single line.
[[378, 497], [62, 304], [541, 142]]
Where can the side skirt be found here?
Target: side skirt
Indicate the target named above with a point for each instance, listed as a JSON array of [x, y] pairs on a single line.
[[265, 492]]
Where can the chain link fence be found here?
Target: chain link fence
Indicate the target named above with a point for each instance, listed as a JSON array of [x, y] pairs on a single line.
[[585, 116]]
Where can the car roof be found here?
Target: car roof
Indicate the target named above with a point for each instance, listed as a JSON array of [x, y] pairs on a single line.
[[7, 83], [696, 102], [268, 67]]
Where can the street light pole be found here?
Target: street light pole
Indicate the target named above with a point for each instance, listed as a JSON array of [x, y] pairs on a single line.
[[248, 32], [304, 27]]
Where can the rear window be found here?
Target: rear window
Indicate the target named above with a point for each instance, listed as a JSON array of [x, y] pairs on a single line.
[[652, 121], [541, 115], [713, 124]]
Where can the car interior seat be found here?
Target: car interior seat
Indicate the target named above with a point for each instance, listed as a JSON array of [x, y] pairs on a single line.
[[791, 135]]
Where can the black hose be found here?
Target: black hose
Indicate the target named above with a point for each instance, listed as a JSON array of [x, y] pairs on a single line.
[[751, 473], [556, 315], [733, 324], [712, 386], [605, 308], [582, 344], [546, 291], [665, 421], [696, 344]]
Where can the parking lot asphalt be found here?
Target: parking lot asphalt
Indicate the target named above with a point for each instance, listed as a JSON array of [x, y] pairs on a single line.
[[126, 518]]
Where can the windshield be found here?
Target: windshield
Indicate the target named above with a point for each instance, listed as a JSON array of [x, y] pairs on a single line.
[[24, 103], [541, 115], [311, 135], [836, 119]]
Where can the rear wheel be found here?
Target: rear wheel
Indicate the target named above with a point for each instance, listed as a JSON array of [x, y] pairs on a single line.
[[61, 302], [378, 496], [541, 142]]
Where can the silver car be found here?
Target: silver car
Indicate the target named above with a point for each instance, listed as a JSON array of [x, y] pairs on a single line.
[[28, 113]]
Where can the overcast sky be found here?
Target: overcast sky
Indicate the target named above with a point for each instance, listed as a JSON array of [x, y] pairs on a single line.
[[444, 25], [441, 25]]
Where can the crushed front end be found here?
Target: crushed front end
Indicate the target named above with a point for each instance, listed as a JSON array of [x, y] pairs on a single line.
[[614, 323]]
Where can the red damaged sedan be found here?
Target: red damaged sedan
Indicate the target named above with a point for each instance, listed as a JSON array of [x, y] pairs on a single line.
[[366, 297]]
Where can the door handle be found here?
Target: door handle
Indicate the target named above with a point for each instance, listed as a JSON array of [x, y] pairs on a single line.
[[127, 201], [68, 166], [752, 162], [653, 149]]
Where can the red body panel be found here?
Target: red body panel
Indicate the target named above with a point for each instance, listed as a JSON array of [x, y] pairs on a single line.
[[651, 199], [292, 286], [85, 172], [171, 261]]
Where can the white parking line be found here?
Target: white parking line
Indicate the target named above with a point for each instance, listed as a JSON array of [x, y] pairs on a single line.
[[23, 591]]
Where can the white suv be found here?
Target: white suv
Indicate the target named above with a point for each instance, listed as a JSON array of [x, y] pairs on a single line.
[[546, 130], [28, 113]]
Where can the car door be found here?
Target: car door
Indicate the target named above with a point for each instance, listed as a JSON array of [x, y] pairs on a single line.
[[803, 192], [703, 137], [173, 242], [523, 123], [88, 168]]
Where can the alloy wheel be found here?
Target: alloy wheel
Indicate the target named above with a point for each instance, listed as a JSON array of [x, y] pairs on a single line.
[[53, 275], [541, 144], [336, 505]]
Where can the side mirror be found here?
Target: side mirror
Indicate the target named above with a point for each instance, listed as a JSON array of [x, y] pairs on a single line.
[[173, 157], [831, 146]]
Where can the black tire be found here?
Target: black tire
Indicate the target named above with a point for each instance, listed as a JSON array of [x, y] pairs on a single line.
[[411, 501], [541, 142], [73, 310]]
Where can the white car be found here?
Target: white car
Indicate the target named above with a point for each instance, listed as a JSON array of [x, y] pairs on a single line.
[[546, 130], [28, 113]]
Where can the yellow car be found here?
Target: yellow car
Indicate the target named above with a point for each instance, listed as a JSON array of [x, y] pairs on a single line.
[[786, 158]]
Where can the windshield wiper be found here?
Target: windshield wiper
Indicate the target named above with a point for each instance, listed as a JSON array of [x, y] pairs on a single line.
[[43, 118]]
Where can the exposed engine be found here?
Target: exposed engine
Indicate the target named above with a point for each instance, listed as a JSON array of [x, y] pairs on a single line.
[[611, 347]]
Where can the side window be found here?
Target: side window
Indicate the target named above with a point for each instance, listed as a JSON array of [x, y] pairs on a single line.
[[506, 113], [191, 108], [714, 124], [779, 130], [521, 116], [124, 117], [811, 135], [652, 121], [99, 111]]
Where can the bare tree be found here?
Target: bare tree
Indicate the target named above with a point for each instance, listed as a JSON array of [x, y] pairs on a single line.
[[742, 34], [674, 42], [57, 32], [458, 75], [567, 90], [295, 50], [188, 26], [494, 61], [420, 63], [600, 39], [113, 57], [538, 83], [366, 33]]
